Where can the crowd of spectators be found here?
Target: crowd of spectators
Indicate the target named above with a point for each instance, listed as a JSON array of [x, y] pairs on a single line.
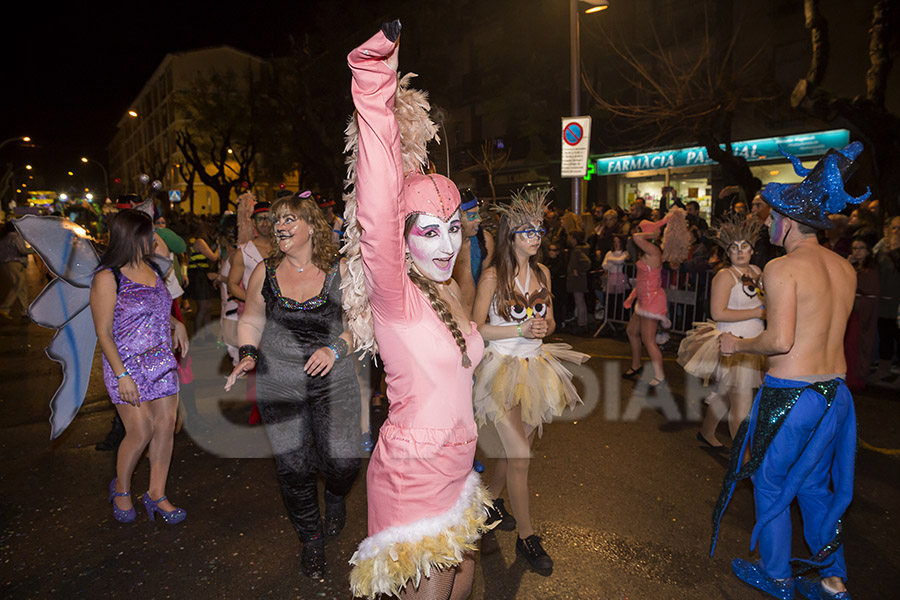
[[588, 257]]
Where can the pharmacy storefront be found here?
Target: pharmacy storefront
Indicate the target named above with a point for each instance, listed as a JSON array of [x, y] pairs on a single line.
[[688, 172]]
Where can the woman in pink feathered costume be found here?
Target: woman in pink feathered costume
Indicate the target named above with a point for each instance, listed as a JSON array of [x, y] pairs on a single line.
[[426, 504], [648, 296]]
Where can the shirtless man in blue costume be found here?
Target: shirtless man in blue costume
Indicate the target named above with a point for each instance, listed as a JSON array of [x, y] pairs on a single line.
[[801, 430]]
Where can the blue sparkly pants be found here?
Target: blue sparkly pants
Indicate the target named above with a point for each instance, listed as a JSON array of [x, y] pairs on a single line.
[[811, 455]]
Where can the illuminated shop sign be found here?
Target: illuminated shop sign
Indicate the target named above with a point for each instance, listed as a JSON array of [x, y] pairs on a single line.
[[807, 144]]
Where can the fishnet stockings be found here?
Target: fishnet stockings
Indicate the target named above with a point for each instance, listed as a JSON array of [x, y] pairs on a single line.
[[454, 583]]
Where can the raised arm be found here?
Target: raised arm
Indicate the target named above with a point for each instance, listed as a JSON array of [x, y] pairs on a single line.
[[379, 170]]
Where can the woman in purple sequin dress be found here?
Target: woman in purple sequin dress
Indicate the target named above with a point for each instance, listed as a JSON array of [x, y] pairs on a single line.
[[132, 315]]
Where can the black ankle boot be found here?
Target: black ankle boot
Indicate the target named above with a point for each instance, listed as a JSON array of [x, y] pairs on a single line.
[[498, 514], [531, 550], [335, 513], [312, 561]]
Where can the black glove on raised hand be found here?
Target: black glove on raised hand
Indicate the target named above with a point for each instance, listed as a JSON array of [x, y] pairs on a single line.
[[391, 30]]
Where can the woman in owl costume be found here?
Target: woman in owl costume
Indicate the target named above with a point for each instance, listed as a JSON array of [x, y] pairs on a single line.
[[521, 383]]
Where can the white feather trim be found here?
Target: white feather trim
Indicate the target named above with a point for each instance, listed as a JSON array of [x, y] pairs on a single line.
[[382, 541]]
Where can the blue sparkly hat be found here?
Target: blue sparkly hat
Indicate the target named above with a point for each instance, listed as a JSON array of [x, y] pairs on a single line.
[[821, 192]]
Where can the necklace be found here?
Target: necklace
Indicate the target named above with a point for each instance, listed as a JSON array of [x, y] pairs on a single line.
[[300, 269]]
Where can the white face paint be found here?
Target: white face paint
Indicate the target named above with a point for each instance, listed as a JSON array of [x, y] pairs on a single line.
[[740, 252], [433, 245], [291, 231]]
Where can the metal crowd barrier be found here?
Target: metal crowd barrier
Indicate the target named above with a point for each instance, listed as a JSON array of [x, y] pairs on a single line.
[[687, 295]]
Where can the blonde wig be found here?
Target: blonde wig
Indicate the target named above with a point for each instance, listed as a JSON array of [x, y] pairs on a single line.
[[676, 237]]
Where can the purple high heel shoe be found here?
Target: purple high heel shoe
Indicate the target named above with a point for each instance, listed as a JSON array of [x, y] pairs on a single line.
[[122, 516], [173, 517]]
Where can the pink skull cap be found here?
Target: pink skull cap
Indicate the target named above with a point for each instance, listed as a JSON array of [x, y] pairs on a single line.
[[432, 194]]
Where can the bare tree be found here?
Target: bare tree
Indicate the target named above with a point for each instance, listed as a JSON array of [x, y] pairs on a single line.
[[687, 96], [866, 115], [188, 174], [491, 161], [219, 138]]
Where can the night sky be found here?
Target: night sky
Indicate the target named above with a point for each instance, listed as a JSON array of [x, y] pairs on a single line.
[[69, 74]]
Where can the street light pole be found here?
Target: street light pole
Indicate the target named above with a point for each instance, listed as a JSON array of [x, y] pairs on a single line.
[[21, 138], [105, 176], [575, 58]]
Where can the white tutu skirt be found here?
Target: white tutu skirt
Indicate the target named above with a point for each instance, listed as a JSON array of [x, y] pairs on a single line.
[[541, 385], [699, 354]]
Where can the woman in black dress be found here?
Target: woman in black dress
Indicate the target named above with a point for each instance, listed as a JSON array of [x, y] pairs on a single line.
[[292, 331]]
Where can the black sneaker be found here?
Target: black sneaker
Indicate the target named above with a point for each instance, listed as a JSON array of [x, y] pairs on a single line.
[[312, 560], [335, 514], [531, 550], [498, 514]]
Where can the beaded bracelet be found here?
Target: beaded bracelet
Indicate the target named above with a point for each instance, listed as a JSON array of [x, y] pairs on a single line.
[[340, 347], [248, 351]]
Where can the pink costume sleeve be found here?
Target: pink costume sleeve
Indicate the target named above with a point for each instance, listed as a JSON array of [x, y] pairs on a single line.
[[380, 180]]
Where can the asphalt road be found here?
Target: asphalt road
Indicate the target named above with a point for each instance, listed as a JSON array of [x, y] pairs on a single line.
[[624, 506]]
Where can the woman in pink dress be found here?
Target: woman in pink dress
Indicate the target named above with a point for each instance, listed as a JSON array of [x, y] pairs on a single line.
[[648, 296], [426, 506]]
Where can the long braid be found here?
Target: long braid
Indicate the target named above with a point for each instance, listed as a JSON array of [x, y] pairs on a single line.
[[429, 288]]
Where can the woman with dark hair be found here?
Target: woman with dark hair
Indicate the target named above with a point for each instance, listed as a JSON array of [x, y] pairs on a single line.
[[521, 383], [293, 317], [736, 305], [859, 339], [426, 504], [136, 331]]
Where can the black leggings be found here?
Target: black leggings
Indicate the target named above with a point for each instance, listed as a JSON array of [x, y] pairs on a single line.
[[309, 436]]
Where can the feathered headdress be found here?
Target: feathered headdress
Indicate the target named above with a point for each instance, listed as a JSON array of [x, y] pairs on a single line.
[[246, 203], [411, 109], [527, 206], [734, 228]]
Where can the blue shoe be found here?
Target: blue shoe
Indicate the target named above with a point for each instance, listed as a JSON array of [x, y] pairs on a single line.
[[172, 517], [367, 444], [753, 574], [813, 589], [122, 516]]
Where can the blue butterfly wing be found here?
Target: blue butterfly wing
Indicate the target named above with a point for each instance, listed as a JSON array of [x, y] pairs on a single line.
[[64, 305], [72, 347], [62, 245], [58, 303]]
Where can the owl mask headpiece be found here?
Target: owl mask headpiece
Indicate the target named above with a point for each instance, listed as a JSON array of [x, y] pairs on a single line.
[[527, 206], [734, 228]]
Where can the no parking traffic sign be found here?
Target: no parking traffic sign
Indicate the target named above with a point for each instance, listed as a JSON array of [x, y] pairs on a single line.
[[576, 145]]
